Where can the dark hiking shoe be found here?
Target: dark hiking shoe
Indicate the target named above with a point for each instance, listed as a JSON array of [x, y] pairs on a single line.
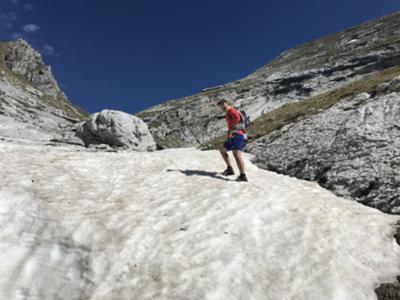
[[228, 171], [242, 177]]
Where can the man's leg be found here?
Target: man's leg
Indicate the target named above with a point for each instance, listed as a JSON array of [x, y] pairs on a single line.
[[225, 156], [239, 161]]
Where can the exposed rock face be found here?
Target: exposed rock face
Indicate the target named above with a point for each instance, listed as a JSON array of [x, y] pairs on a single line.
[[303, 71], [23, 60], [31, 104], [117, 129], [352, 148]]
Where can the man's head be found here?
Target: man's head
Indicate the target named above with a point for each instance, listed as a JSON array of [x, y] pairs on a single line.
[[223, 104]]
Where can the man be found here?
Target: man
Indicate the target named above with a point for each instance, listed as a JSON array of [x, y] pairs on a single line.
[[234, 140]]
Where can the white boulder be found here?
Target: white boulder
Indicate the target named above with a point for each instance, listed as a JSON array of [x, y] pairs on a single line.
[[117, 129]]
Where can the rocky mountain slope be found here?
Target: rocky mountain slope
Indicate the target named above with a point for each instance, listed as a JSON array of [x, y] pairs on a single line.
[[326, 111], [143, 225], [307, 70], [31, 103], [351, 148]]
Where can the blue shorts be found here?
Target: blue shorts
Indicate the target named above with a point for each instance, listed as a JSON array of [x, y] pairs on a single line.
[[235, 142]]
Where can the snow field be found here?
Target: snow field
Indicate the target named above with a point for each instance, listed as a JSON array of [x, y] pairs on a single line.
[[164, 225]]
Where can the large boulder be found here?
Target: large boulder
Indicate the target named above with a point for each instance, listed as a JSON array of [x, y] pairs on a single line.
[[117, 129]]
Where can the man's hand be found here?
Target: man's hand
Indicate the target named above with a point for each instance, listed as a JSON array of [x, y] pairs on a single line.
[[229, 134]]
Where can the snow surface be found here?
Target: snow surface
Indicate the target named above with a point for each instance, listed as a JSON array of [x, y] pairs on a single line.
[[164, 225]]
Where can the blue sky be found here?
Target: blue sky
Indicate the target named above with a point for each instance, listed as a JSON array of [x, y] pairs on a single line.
[[132, 54]]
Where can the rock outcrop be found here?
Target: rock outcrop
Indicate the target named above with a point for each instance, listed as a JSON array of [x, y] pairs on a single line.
[[23, 60], [353, 148], [301, 72], [31, 104], [116, 129]]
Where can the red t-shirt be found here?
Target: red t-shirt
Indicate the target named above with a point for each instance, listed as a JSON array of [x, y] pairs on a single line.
[[232, 118]]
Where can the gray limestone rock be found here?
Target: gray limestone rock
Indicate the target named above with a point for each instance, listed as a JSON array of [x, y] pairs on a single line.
[[389, 87], [117, 129], [31, 105], [394, 85], [23, 60], [352, 149]]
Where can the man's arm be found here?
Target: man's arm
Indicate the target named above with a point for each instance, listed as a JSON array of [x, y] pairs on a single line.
[[229, 133], [235, 119]]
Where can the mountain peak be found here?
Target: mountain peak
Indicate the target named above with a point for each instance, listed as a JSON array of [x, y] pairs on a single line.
[[23, 60], [31, 104]]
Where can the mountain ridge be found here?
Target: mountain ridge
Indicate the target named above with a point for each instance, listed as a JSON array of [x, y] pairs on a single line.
[[280, 82], [31, 102]]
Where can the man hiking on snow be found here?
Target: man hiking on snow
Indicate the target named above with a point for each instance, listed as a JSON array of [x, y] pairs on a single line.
[[234, 141]]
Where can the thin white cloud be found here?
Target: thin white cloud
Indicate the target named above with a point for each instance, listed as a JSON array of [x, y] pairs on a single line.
[[31, 28], [29, 7], [49, 50]]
